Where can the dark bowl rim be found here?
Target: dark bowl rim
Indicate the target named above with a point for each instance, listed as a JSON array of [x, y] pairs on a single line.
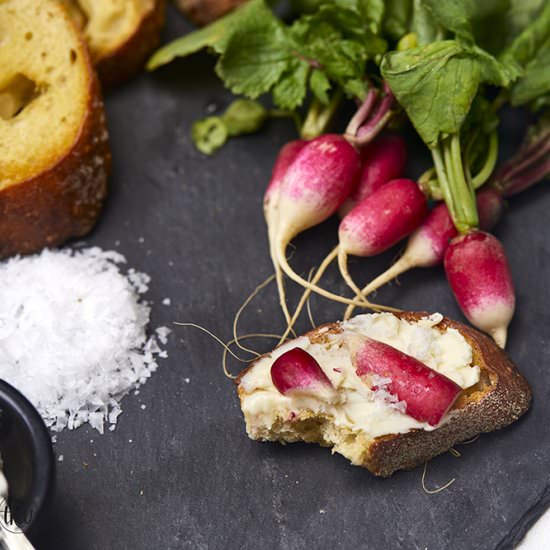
[[43, 463]]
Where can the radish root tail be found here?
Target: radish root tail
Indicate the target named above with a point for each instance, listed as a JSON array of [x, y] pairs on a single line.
[[343, 266], [399, 267], [227, 349], [221, 342], [307, 292], [279, 278], [250, 297], [500, 335], [309, 314], [434, 491], [318, 290]]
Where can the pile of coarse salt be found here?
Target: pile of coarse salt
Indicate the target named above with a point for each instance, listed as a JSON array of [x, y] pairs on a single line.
[[73, 334]]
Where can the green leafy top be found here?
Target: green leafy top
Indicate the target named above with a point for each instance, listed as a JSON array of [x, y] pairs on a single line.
[[260, 54], [531, 50], [437, 83], [460, 16], [448, 52], [213, 36]]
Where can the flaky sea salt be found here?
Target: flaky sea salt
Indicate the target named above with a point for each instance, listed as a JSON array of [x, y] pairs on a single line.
[[73, 334], [381, 393]]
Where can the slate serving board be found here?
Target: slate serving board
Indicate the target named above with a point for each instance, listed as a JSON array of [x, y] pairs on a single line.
[[182, 473]]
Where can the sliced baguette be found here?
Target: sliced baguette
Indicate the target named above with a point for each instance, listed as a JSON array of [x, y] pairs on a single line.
[[202, 12], [121, 34], [54, 152], [500, 397]]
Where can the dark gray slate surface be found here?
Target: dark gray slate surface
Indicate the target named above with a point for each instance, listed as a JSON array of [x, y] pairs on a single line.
[[191, 478]]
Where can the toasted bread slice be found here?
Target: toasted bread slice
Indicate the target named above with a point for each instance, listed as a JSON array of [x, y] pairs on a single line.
[[54, 152], [367, 429], [121, 34], [202, 12]]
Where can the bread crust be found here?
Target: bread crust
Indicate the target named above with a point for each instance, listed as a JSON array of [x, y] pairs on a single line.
[[65, 200], [501, 397], [130, 57]]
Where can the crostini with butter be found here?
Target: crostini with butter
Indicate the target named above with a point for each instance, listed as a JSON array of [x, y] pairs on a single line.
[[387, 391]]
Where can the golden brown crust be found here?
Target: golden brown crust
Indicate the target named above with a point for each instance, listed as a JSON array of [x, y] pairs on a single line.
[[130, 57], [202, 12], [500, 398], [65, 200], [503, 397]]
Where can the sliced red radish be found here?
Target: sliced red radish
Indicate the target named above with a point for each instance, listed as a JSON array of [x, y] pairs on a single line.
[[427, 394], [296, 372]]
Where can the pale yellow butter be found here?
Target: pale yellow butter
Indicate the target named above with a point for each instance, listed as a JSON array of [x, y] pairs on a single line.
[[359, 408]]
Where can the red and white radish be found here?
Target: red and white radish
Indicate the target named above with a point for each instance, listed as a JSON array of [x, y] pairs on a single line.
[[296, 372], [285, 158], [428, 395], [380, 221], [383, 218], [322, 175], [382, 160], [374, 225], [427, 245], [425, 248], [315, 185], [319, 180], [479, 276], [490, 206]]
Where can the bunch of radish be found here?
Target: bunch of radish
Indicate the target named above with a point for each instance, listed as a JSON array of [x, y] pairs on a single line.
[[312, 180], [386, 69], [360, 176]]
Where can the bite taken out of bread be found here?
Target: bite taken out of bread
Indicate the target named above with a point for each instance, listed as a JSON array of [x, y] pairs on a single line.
[[54, 151], [121, 34], [387, 391]]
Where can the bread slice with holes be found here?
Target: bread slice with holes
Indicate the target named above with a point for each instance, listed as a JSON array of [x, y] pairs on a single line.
[[121, 34], [367, 424], [54, 151], [202, 12]]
